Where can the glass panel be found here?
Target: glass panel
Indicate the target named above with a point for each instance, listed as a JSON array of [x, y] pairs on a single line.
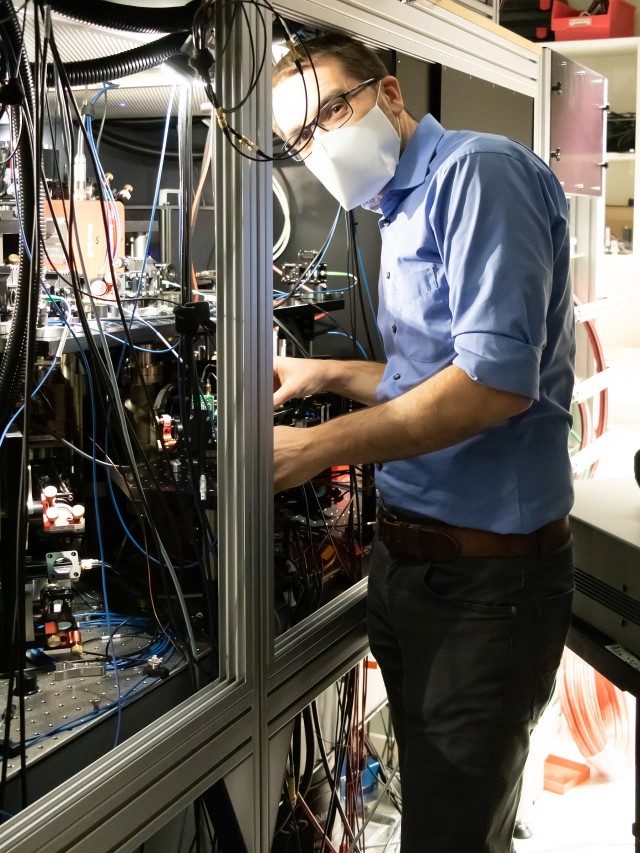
[[618, 65], [108, 484], [326, 265]]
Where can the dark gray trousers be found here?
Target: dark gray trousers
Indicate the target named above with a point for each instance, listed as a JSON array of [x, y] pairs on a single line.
[[468, 651]]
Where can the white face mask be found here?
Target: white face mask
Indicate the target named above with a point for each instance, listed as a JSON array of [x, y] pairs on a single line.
[[356, 161]]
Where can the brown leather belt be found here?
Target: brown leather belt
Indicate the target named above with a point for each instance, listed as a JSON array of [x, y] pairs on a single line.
[[440, 543]]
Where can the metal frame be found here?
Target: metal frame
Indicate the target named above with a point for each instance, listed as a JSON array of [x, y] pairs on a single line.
[[444, 33], [119, 801]]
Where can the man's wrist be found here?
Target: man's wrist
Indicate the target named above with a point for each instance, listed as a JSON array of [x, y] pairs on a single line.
[[332, 375]]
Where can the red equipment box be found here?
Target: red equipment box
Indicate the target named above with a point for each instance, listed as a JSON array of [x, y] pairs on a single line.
[[569, 25]]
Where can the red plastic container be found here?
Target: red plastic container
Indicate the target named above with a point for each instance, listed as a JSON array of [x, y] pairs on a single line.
[[562, 774], [569, 25]]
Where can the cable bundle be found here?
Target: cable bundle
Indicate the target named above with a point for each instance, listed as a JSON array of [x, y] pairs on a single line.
[[305, 815], [597, 716]]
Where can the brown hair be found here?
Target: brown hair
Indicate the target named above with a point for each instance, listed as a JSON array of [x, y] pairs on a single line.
[[358, 60]]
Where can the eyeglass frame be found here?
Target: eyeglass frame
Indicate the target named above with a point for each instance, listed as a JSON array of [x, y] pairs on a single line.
[[295, 151]]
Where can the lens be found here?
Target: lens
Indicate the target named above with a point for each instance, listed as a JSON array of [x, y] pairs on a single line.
[[299, 145], [334, 114]]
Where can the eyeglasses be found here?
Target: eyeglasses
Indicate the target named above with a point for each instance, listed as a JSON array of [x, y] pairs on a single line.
[[333, 115]]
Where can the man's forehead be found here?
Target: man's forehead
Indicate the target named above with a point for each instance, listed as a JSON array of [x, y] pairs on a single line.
[[294, 94]]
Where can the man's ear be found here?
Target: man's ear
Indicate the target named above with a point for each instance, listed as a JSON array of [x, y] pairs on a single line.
[[390, 87]]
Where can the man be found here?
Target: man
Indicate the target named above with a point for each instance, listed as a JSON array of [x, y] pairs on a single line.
[[471, 574]]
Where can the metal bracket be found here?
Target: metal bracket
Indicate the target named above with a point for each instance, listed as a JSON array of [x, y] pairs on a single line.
[[63, 565], [67, 670]]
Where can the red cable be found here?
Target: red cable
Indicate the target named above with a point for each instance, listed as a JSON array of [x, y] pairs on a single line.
[[597, 715], [600, 364]]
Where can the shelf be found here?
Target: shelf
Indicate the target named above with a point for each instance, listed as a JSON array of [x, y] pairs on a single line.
[[620, 258], [597, 47], [588, 388], [589, 310], [620, 157]]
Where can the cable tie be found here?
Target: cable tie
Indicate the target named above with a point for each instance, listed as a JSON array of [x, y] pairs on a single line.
[[88, 110]]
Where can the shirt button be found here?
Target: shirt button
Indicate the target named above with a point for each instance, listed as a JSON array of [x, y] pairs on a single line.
[[385, 222], [396, 376], [394, 328], [388, 275], [379, 466]]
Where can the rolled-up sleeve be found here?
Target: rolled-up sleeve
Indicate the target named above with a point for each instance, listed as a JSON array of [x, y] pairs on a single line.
[[484, 356]]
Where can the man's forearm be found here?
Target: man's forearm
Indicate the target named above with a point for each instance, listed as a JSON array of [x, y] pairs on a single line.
[[441, 412], [355, 380]]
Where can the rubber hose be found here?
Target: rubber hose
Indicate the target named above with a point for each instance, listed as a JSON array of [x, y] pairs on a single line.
[[132, 19], [94, 71], [12, 368]]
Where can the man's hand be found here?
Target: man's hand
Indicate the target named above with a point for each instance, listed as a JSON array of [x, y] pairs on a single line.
[[294, 460], [296, 377], [442, 411], [301, 377]]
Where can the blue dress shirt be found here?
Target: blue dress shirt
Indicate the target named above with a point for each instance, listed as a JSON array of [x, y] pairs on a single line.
[[475, 272]]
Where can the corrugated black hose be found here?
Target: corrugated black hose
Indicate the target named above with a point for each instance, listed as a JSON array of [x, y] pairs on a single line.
[[94, 71], [12, 368], [132, 19]]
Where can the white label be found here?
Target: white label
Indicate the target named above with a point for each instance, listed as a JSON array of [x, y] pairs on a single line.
[[624, 655]]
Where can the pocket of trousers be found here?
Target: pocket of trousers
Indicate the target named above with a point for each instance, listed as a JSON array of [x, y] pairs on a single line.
[[553, 618], [466, 653]]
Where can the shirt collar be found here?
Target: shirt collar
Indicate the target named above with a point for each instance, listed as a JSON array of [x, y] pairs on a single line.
[[413, 165]]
